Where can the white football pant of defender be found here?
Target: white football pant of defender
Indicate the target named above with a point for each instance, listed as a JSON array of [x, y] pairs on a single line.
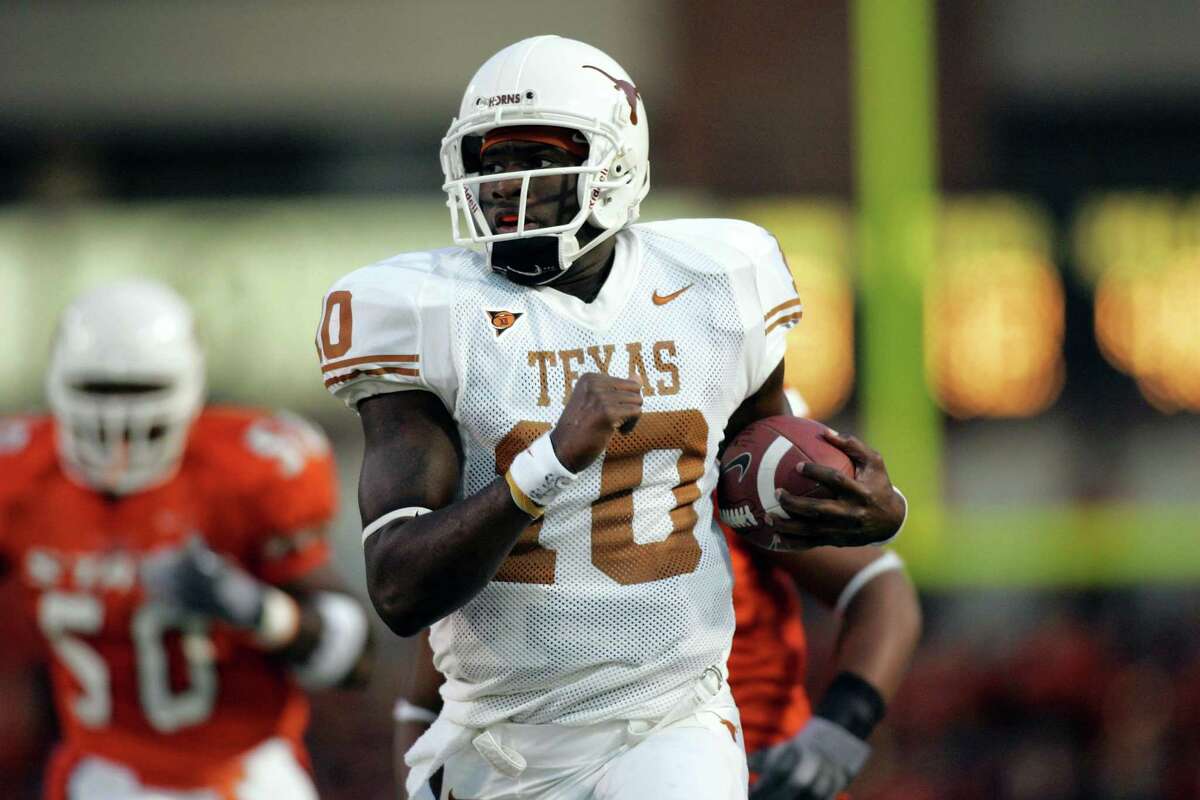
[[270, 772]]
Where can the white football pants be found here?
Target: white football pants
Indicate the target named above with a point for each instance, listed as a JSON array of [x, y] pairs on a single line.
[[271, 773], [699, 756]]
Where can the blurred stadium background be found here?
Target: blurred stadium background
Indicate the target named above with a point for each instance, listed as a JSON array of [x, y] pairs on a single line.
[[992, 210]]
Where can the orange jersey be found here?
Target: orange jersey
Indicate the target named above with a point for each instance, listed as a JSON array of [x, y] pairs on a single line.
[[767, 663], [175, 699]]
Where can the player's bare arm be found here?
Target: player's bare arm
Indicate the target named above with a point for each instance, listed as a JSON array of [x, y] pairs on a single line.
[[880, 622], [880, 627], [422, 567], [863, 510]]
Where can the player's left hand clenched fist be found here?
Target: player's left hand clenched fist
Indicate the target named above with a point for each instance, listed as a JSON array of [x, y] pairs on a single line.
[[864, 509], [816, 764]]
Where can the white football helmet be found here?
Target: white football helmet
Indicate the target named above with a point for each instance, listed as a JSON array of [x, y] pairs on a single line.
[[126, 379], [549, 81]]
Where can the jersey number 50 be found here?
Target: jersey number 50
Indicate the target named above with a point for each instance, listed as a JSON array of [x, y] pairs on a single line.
[[614, 551], [61, 614]]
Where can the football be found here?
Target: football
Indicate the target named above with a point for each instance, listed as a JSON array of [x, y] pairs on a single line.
[[763, 458]]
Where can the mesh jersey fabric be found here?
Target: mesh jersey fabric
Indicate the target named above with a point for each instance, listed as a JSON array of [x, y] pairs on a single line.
[[615, 603]]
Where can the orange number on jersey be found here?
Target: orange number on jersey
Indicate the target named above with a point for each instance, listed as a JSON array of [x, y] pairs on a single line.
[[341, 301], [614, 550]]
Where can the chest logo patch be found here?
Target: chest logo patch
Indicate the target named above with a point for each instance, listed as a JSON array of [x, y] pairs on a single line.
[[663, 299], [503, 320]]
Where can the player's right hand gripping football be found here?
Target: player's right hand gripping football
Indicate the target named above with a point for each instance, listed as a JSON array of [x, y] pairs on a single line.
[[600, 405], [864, 509], [816, 764]]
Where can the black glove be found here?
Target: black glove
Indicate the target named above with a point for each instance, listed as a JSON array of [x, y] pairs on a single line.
[[198, 581]]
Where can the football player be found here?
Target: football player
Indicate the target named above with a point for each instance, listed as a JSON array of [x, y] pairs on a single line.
[[542, 420], [797, 754], [800, 753], [173, 557]]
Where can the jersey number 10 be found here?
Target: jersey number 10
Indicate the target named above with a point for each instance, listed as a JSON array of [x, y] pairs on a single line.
[[614, 551]]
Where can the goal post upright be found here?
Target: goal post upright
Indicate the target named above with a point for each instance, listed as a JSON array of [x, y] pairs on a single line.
[[892, 50]]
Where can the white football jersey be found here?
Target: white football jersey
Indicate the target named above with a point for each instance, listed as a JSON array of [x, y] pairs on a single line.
[[617, 600]]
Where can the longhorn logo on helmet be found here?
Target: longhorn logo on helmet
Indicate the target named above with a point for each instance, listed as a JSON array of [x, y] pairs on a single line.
[[631, 92]]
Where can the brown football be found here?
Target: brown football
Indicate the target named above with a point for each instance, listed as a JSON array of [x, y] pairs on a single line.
[[764, 457]]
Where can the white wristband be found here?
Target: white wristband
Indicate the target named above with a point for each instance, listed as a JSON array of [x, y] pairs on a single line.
[[537, 476], [344, 632], [405, 711], [885, 563]]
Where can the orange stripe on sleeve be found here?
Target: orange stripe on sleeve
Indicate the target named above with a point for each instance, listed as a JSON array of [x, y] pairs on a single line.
[[350, 362], [349, 376], [795, 301], [784, 321]]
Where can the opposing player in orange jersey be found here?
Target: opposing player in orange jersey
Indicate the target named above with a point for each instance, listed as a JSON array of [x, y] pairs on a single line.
[[798, 752], [173, 559]]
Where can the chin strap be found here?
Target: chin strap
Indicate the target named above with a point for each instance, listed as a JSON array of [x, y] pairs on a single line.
[[533, 260], [540, 260]]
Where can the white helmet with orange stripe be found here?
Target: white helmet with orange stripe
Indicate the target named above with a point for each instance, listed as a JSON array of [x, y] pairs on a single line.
[[126, 379], [558, 91]]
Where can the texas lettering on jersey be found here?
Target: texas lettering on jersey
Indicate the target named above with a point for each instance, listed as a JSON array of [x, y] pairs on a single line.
[[662, 378], [617, 600]]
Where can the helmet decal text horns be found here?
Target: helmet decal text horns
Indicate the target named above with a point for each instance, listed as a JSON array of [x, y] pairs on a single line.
[[631, 91]]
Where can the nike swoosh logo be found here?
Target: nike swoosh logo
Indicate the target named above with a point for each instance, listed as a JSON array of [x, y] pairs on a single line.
[[741, 464], [663, 299]]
